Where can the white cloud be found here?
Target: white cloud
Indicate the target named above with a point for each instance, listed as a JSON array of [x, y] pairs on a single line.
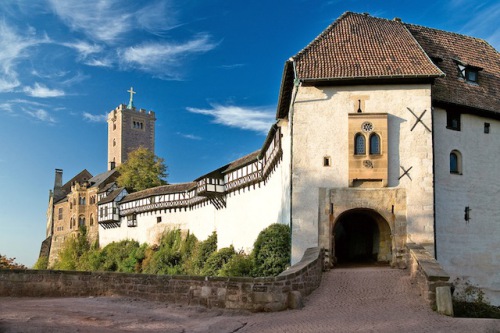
[[14, 47], [83, 48], [41, 115], [247, 118], [103, 62], [190, 136], [110, 20], [95, 118], [162, 59], [41, 91], [102, 20]]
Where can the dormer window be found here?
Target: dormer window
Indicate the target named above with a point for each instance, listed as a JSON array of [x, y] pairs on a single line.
[[467, 72]]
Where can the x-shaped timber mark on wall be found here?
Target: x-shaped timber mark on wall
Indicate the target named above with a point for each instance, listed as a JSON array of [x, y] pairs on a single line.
[[405, 172], [419, 120]]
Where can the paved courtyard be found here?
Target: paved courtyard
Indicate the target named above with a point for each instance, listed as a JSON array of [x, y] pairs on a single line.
[[363, 299]]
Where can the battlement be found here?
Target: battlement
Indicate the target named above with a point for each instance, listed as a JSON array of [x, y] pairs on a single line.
[[124, 107]]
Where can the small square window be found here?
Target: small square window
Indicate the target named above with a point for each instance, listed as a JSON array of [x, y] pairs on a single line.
[[487, 128], [327, 161], [453, 120], [158, 219]]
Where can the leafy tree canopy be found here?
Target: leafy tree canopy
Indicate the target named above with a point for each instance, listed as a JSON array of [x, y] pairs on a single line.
[[142, 170], [9, 263]]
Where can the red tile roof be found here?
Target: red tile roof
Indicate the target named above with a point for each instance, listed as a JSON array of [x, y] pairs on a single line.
[[359, 46], [450, 47]]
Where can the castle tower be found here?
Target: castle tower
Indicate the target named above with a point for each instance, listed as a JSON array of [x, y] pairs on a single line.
[[129, 129]]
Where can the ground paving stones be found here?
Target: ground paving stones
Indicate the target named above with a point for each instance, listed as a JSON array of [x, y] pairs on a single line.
[[359, 299]]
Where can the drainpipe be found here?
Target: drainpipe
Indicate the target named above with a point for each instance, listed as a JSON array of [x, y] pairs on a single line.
[[296, 84]]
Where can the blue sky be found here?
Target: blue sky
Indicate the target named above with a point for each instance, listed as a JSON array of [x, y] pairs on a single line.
[[211, 71]]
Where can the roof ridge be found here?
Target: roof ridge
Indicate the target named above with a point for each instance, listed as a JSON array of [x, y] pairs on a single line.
[[482, 40]]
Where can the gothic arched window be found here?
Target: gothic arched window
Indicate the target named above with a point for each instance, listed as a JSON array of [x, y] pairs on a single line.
[[359, 144], [374, 144], [81, 221]]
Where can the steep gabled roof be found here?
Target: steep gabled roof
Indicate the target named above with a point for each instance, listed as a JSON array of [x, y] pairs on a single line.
[[101, 178], [359, 46], [451, 48], [82, 176]]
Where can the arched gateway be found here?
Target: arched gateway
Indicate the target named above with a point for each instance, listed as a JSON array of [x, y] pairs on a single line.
[[361, 236], [363, 225]]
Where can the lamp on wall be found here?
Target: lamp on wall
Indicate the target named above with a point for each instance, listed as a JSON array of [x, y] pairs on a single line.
[[359, 106], [467, 214]]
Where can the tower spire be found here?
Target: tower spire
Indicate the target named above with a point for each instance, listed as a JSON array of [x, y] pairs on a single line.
[[131, 102]]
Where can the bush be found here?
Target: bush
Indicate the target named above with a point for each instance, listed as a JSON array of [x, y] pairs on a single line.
[[168, 257], [41, 263], [9, 263], [470, 302], [72, 250], [239, 265], [271, 250], [200, 255], [217, 260], [124, 256]]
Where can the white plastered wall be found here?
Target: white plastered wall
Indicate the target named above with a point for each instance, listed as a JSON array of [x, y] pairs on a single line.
[[469, 250], [320, 128], [248, 211]]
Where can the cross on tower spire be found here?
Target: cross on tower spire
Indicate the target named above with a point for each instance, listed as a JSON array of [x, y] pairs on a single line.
[[131, 102]]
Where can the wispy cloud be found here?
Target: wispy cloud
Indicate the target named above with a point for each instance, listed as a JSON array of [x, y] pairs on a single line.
[[83, 48], [109, 21], [162, 59], [101, 118], [232, 66], [14, 47], [101, 20], [258, 119], [41, 115], [102, 62], [189, 136], [41, 91], [481, 17]]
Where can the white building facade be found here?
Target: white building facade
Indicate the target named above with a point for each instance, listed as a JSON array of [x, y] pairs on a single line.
[[386, 133]]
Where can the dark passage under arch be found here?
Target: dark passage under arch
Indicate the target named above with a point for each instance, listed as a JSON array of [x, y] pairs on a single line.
[[358, 238]]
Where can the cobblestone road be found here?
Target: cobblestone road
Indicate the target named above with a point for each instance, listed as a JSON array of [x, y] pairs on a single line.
[[366, 299], [363, 299]]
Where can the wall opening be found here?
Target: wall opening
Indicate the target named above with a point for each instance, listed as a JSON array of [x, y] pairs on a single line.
[[361, 236]]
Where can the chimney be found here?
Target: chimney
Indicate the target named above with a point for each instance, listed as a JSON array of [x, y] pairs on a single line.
[[58, 192]]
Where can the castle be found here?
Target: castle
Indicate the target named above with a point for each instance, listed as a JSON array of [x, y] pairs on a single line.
[[386, 133]]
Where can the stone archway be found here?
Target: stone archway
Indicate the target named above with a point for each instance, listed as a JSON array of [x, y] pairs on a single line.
[[361, 236]]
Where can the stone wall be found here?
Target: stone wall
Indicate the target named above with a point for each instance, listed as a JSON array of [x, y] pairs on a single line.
[[254, 294], [432, 280]]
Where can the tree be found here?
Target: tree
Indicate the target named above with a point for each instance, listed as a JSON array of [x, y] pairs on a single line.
[[9, 263], [271, 250], [142, 170]]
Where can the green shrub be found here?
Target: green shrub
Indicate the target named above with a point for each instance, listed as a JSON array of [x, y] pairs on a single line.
[[73, 248], [124, 256], [203, 250], [168, 257], [271, 251], [239, 265], [216, 260], [41, 263]]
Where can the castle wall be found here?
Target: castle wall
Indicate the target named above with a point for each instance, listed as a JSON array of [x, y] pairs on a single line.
[[321, 128], [469, 249], [247, 211]]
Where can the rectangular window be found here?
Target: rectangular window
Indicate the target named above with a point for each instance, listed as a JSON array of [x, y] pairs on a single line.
[[487, 128], [453, 120], [158, 219], [60, 215], [132, 220], [327, 161]]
